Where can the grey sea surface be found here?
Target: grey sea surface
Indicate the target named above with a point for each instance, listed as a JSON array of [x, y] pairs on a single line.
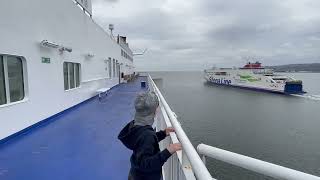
[[284, 130]]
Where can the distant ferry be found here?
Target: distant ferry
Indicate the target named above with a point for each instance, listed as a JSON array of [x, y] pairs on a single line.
[[254, 76]]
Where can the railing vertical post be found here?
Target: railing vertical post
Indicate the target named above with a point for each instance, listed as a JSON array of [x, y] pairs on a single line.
[[185, 160], [204, 159]]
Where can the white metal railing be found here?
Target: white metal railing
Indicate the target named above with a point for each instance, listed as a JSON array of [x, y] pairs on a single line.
[[258, 166], [85, 5], [187, 163]]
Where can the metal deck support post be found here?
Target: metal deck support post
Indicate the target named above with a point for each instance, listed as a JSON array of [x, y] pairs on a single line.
[[204, 159]]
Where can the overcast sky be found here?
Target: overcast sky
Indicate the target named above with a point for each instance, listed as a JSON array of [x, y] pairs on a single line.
[[197, 34]]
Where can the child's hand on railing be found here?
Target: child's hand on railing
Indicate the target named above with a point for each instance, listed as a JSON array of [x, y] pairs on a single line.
[[169, 130], [172, 148]]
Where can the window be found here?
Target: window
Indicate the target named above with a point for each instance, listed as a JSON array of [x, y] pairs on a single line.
[[15, 76], [109, 67], [117, 69], [65, 76], [125, 55], [11, 79], [114, 68], [77, 74], [71, 75], [220, 73]]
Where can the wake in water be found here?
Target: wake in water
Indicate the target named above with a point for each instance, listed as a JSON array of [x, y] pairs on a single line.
[[308, 96]]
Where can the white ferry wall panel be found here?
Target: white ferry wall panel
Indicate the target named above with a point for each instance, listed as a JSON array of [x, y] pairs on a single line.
[[23, 25]]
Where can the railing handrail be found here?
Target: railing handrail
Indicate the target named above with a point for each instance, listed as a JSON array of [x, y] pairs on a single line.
[[262, 167], [200, 170]]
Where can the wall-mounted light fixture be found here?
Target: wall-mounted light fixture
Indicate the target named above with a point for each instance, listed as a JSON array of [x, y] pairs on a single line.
[[65, 49], [90, 55], [46, 43]]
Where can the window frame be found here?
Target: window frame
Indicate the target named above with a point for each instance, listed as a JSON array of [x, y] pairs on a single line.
[[6, 80], [74, 65], [77, 72]]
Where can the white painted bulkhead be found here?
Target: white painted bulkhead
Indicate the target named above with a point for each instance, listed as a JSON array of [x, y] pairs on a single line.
[[23, 25]]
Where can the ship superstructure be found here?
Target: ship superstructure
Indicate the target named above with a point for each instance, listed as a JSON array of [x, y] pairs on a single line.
[[54, 56], [254, 76]]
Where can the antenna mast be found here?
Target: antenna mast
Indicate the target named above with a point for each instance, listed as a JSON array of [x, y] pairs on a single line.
[[111, 28]]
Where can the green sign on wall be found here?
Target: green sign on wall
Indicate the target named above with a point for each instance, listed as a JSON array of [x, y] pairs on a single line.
[[45, 60]]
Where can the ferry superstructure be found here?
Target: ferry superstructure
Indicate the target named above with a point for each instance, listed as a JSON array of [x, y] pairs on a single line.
[[54, 59], [255, 77]]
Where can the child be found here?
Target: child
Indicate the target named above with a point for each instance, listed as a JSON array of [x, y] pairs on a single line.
[[140, 137]]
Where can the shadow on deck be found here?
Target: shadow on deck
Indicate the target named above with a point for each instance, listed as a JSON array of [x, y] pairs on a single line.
[[79, 144]]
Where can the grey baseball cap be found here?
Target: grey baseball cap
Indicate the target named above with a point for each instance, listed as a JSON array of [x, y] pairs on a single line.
[[146, 105]]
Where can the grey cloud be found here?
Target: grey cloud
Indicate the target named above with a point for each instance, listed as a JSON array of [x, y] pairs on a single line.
[[217, 32], [152, 24]]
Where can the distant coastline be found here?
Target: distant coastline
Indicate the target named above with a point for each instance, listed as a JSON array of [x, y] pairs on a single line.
[[297, 68]]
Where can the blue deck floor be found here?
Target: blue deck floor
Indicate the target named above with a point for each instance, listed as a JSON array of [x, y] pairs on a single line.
[[80, 144]]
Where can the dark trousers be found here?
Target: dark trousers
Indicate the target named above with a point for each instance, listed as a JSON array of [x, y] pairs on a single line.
[[131, 176]]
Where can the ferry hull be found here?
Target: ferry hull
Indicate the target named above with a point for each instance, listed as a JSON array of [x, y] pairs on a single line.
[[248, 88]]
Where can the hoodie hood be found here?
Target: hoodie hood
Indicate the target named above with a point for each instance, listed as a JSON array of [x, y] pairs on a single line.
[[146, 104], [129, 135]]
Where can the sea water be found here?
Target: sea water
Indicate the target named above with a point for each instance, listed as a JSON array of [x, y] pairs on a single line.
[[284, 130]]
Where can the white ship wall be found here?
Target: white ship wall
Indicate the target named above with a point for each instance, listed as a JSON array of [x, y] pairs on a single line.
[[23, 25]]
